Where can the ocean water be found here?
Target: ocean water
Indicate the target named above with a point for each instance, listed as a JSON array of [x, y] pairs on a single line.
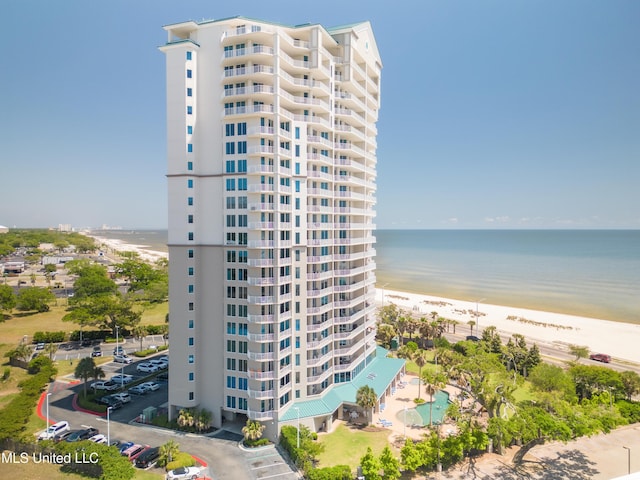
[[591, 273]]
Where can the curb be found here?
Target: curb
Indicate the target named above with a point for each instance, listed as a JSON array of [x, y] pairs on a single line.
[[75, 406]]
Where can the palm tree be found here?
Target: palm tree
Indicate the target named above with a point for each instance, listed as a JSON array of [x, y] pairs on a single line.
[[21, 352], [185, 418], [253, 430], [420, 358], [98, 373], [471, 324], [203, 419], [139, 332], [433, 383], [168, 452], [366, 398], [50, 349], [85, 370]]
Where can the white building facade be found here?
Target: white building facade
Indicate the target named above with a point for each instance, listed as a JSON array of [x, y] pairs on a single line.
[[271, 143]]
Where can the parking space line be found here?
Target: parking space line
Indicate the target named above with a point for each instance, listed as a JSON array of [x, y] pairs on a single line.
[[268, 466]]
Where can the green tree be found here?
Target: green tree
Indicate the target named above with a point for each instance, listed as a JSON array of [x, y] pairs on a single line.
[[21, 352], [389, 464], [433, 383], [385, 333], [50, 268], [492, 339], [7, 298], [630, 383], [106, 312], [411, 457], [252, 430], [50, 349], [549, 378], [366, 398], [579, 352], [370, 465], [35, 298], [139, 332], [420, 359], [85, 370], [92, 280], [168, 451]]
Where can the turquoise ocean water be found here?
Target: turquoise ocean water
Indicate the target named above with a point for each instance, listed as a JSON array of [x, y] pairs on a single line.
[[593, 273]]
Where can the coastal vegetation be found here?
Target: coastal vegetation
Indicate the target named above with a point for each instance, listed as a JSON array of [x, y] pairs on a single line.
[[516, 399]]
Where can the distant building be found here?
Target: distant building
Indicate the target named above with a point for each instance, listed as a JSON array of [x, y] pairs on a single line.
[[271, 183], [14, 267], [65, 227], [3, 229]]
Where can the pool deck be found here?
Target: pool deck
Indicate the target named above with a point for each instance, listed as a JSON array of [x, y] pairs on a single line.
[[394, 408]]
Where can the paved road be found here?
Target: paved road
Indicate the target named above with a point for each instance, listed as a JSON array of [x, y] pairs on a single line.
[[226, 461]]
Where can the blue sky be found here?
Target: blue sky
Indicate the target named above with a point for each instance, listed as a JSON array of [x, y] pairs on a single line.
[[495, 114]]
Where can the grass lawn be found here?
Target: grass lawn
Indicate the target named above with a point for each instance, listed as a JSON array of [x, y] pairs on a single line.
[[346, 446]]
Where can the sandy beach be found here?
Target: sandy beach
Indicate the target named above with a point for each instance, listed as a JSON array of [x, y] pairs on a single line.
[[112, 245], [618, 339]]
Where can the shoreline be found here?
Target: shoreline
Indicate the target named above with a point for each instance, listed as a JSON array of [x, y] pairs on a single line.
[[618, 339], [615, 338], [117, 245]]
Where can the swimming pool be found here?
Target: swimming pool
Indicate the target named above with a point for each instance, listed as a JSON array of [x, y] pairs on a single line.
[[420, 414]]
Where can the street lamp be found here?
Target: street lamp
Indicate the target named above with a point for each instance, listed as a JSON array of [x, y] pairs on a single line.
[[48, 395], [628, 459], [478, 315], [117, 352], [108, 425], [298, 432], [382, 288]]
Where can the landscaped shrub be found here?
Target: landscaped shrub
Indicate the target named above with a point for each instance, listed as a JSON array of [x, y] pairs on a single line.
[[338, 472], [15, 415], [48, 337], [629, 410], [182, 460], [39, 363], [150, 351], [261, 442]]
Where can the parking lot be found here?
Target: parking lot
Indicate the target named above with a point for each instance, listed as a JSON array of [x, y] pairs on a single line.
[[220, 450]]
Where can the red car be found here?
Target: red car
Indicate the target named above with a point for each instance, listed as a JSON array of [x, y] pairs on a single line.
[[600, 357]]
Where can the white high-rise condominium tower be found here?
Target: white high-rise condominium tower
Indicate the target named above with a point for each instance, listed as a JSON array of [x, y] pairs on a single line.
[[271, 140]]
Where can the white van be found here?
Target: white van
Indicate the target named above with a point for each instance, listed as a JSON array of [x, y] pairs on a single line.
[[54, 430]]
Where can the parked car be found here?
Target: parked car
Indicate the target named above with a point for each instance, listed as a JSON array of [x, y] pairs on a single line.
[[124, 397], [61, 437], [151, 386], [40, 346], [148, 458], [97, 352], [102, 385], [99, 438], [161, 364], [146, 368], [122, 379], [122, 359], [184, 473], [53, 430], [134, 451], [473, 338], [124, 445], [85, 434], [119, 351], [109, 401], [138, 390], [600, 357]]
